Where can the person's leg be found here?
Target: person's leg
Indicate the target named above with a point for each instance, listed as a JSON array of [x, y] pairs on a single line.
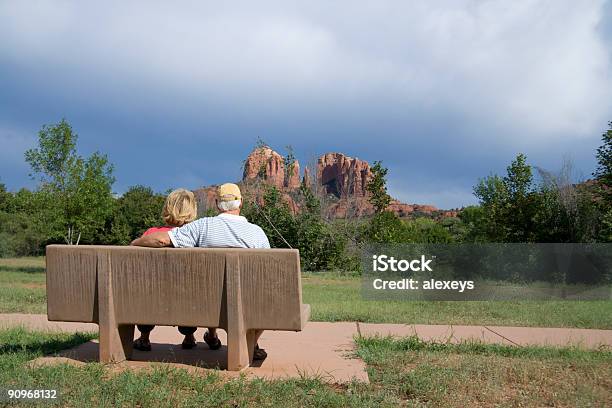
[[259, 353], [143, 343], [210, 337], [189, 341]]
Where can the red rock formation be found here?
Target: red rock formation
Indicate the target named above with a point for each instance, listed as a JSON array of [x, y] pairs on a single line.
[[426, 209], [343, 176], [401, 209], [346, 178], [360, 206], [205, 197], [268, 165], [350, 208]]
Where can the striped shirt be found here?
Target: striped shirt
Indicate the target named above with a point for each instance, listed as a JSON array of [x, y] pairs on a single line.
[[222, 231]]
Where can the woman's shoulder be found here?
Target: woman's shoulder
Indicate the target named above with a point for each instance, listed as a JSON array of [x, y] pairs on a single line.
[[157, 229]]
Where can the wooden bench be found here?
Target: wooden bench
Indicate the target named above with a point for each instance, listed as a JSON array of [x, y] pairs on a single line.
[[243, 291]]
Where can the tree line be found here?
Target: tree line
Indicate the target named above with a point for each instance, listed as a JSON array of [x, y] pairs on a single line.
[[74, 203]]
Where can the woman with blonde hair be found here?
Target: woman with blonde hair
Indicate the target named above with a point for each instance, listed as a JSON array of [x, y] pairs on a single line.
[[179, 209]]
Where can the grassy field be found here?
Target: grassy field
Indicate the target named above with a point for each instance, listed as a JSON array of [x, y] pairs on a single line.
[[22, 285], [404, 372], [337, 298]]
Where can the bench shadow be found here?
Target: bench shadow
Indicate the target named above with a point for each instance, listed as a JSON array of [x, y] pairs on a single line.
[[43, 345], [200, 356]]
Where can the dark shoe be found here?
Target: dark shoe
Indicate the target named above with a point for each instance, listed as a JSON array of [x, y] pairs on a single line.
[[213, 344], [188, 343], [259, 354], [186, 331], [142, 345]]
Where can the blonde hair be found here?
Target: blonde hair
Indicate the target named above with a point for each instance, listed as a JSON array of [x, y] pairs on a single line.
[[180, 208]]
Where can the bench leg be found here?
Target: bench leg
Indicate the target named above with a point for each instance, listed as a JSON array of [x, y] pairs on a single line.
[[237, 344], [115, 340], [240, 349], [237, 350], [116, 343]]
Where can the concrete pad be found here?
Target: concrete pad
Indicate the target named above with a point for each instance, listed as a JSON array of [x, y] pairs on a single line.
[[587, 338], [39, 322], [322, 349]]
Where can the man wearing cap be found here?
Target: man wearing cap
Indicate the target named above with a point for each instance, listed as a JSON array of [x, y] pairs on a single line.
[[227, 230]]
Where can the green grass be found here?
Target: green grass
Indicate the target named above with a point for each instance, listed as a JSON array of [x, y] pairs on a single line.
[[161, 386], [22, 285], [338, 298], [25, 264], [373, 348], [403, 372], [15, 299], [476, 374]]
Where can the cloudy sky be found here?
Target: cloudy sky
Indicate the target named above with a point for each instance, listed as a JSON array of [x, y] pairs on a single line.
[[443, 92]]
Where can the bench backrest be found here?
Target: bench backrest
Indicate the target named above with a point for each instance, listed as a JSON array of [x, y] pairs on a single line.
[[172, 286]]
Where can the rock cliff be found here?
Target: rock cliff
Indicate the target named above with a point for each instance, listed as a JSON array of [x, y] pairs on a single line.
[[265, 163], [343, 176], [340, 180]]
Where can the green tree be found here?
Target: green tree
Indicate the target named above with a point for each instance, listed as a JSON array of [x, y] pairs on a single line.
[[455, 227], [377, 188], [79, 188], [473, 219], [54, 157], [603, 173], [519, 178], [322, 246], [522, 202], [566, 210], [603, 190], [384, 226], [426, 231], [274, 217], [138, 209], [5, 204], [510, 204], [5, 198], [493, 196], [23, 230]]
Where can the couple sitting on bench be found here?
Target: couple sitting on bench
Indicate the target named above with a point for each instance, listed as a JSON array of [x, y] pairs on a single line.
[[227, 230]]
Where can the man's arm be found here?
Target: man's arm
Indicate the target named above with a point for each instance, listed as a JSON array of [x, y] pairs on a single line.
[[154, 240]]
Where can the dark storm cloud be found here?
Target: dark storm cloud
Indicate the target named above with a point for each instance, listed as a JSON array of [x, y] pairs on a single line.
[[442, 92]]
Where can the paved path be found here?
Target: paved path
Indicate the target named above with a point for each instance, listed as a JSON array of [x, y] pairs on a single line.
[[321, 349]]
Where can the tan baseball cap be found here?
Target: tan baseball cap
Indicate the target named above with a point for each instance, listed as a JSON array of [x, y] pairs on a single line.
[[228, 192]]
